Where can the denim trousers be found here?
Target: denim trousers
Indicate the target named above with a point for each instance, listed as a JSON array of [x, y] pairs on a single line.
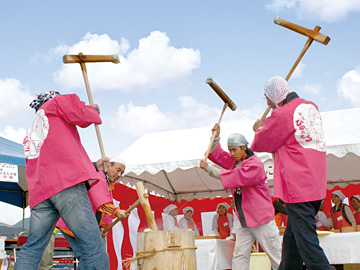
[[73, 205], [75, 248], [301, 243]]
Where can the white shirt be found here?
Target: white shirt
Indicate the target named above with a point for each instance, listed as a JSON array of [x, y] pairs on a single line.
[[183, 223], [169, 223], [323, 220]]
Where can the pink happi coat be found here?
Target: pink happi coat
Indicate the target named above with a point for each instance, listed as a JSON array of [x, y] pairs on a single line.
[[55, 158], [250, 177], [294, 132], [99, 194]]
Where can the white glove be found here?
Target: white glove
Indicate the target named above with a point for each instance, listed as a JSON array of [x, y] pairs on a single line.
[[231, 237]]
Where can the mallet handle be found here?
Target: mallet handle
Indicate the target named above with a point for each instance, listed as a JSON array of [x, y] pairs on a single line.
[[135, 204], [303, 31], [265, 113], [146, 206], [87, 85], [214, 134], [81, 58], [306, 47]]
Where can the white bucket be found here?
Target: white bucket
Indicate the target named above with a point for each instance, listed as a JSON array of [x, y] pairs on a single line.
[[259, 261]]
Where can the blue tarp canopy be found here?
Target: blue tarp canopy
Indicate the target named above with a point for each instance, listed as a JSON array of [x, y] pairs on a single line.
[[11, 192]]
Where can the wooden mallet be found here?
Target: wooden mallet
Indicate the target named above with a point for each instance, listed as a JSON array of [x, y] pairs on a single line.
[[228, 103], [135, 204], [146, 206], [82, 59], [311, 34], [144, 201]]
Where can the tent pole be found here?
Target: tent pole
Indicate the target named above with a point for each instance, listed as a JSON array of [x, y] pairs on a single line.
[[24, 206], [167, 178], [23, 223]]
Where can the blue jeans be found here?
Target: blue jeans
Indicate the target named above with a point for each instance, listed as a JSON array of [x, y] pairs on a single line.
[[73, 205], [75, 248], [301, 243]]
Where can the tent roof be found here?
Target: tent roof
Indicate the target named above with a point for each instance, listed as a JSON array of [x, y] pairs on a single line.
[[342, 136], [11, 192], [168, 162], [178, 149], [11, 152]]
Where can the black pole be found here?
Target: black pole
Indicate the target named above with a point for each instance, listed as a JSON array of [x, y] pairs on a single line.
[[24, 206]]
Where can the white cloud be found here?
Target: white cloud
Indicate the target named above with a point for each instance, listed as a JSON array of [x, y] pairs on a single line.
[[153, 64], [14, 100], [298, 72], [195, 113], [279, 5], [50, 55], [136, 120], [348, 86], [323, 10], [313, 89], [14, 135]]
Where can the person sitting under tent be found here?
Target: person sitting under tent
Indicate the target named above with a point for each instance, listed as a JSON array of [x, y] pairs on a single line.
[[355, 203], [321, 220], [170, 218], [245, 175], [99, 197], [340, 213], [235, 221], [222, 221], [187, 222]]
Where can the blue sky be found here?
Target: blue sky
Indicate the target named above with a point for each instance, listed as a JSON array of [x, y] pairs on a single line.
[[167, 50]]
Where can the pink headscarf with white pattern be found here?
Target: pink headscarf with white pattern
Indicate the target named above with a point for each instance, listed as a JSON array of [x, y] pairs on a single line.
[[276, 89]]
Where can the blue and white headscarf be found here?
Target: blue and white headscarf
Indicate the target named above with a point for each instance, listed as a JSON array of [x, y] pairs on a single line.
[[42, 98]]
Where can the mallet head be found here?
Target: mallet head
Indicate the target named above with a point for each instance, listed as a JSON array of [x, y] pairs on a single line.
[[81, 58], [221, 94], [304, 31]]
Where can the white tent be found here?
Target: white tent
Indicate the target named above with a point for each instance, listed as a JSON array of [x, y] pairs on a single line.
[[168, 162], [342, 135], [13, 186]]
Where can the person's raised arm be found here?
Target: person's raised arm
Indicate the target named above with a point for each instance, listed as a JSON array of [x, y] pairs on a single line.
[[76, 112]]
